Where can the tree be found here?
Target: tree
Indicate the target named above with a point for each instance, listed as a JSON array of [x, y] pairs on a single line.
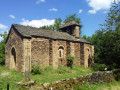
[[58, 23], [110, 45], [72, 17], [2, 48], [85, 37], [55, 26], [113, 18], [107, 41], [75, 18]]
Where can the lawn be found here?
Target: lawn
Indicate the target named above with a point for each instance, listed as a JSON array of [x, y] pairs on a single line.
[[50, 75], [60, 73], [10, 76], [102, 86], [47, 75]]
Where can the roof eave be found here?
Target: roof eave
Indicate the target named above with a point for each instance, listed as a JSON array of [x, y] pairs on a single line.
[[69, 25]]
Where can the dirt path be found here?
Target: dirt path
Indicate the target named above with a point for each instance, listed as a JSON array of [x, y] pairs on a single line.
[[5, 73]]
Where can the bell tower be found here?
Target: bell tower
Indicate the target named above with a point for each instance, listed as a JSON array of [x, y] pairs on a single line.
[[71, 28]]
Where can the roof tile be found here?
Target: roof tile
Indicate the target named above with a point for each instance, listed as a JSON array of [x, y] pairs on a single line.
[[27, 31]]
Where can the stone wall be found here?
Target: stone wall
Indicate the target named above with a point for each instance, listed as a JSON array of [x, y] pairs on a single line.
[[55, 55], [68, 84], [14, 41], [88, 55], [50, 53], [82, 53], [40, 51], [78, 50], [77, 54]]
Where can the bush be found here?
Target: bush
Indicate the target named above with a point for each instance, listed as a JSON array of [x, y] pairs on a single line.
[[99, 67], [70, 58], [70, 61], [36, 69], [48, 69], [62, 70]]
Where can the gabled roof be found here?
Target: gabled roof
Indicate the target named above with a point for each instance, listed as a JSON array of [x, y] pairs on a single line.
[[69, 24], [27, 31]]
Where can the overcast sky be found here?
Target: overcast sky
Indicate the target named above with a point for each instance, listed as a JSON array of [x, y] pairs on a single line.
[[38, 13]]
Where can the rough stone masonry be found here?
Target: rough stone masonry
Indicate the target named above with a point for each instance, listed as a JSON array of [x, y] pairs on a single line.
[[46, 47]]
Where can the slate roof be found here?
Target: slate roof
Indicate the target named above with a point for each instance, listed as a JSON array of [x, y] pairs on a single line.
[[27, 31], [69, 24]]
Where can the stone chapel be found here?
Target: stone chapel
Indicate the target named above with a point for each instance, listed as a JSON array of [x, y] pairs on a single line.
[[46, 47]]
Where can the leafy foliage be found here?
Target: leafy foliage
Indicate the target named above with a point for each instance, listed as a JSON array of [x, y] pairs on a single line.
[[110, 45], [107, 39], [99, 67], [36, 69], [70, 61], [70, 58], [58, 23], [56, 26], [72, 17], [2, 48]]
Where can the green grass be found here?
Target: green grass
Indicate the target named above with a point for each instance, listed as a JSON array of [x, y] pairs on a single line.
[[102, 86], [51, 75], [12, 78], [58, 74], [48, 75]]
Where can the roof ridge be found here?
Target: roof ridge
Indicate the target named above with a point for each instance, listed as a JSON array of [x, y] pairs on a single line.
[[38, 28]]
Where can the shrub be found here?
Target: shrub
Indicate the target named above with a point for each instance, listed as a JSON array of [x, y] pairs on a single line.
[[36, 69], [48, 69], [70, 58], [62, 70], [99, 67], [70, 61]]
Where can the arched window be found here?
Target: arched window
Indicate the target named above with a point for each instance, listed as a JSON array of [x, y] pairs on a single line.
[[61, 52]]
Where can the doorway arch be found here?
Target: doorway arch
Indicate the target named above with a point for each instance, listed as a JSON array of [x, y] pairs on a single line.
[[13, 58]]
